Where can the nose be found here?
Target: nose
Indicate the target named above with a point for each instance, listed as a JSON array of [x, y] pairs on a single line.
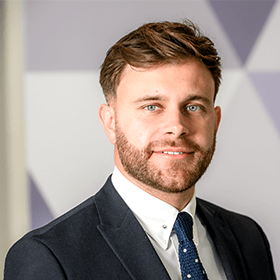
[[175, 124]]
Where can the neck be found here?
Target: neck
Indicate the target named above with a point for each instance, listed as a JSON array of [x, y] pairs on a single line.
[[177, 200]]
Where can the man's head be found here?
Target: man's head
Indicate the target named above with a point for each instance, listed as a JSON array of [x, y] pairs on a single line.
[[155, 44], [161, 116]]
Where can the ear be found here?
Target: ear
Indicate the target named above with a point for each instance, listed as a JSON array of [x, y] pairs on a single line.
[[218, 116], [107, 117]]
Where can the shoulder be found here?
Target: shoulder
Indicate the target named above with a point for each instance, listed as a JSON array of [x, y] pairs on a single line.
[[243, 229], [68, 225], [238, 233], [233, 219], [71, 226], [75, 222], [238, 223], [58, 247], [43, 252]]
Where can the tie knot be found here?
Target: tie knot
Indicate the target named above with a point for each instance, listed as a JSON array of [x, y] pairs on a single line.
[[184, 226]]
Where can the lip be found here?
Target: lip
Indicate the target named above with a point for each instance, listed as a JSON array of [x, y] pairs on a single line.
[[173, 150], [177, 153]]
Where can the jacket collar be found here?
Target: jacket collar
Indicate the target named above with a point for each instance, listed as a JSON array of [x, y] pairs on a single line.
[[121, 230], [223, 239]]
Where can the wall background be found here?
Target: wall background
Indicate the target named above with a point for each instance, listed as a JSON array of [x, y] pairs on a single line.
[[68, 156]]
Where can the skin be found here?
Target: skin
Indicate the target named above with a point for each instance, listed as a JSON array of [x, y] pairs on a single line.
[[168, 108]]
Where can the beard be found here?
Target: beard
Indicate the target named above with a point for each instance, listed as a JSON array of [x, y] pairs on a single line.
[[179, 176]]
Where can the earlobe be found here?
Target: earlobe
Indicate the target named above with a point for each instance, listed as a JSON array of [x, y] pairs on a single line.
[[107, 117], [218, 116]]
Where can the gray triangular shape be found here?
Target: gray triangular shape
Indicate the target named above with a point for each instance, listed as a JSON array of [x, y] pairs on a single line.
[[267, 85], [243, 21], [40, 212]]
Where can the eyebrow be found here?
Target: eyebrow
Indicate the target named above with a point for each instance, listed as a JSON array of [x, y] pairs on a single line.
[[149, 98], [199, 97], [162, 98]]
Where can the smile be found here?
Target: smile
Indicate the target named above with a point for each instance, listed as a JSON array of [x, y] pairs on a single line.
[[172, 153]]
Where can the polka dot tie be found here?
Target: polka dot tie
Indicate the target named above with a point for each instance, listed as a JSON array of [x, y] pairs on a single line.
[[191, 267]]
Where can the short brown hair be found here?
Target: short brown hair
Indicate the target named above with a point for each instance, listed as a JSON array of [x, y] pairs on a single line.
[[155, 44]]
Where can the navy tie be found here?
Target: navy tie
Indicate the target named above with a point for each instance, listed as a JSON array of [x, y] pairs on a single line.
[[191, 267]]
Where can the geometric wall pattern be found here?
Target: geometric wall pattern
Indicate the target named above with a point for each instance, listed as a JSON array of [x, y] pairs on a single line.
[[40, 213], [267, 87], [68, 154], [243, 22]]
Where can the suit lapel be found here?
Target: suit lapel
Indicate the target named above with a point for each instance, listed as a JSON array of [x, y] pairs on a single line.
[[224, 242], [125, 236]]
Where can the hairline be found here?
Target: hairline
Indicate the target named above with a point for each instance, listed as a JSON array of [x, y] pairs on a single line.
[[112, 97]]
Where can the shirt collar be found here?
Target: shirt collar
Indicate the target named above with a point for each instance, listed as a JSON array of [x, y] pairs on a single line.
[[156, 216]]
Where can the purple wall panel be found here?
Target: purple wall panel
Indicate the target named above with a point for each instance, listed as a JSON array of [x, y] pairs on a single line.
[[40, 212], [243, 21], [75, 35], [268, 85]]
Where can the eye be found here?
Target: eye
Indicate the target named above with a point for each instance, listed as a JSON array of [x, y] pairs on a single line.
[[193, 108], [151, 108]]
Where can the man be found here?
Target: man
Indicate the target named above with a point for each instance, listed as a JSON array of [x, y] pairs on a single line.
[[160, 82]]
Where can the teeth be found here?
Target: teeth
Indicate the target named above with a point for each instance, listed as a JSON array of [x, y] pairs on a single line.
[[173, 153]]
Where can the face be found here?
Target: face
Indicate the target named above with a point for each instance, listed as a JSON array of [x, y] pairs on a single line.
[[164, 125]]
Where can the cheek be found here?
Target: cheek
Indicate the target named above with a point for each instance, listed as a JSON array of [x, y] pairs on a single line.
[[139, 137], [137, 130], [205, 134], [135, 133]]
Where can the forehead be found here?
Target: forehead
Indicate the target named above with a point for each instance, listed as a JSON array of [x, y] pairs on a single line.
[[169, 80]]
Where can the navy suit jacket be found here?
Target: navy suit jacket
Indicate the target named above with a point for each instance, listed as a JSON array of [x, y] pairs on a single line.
[[102, 239]]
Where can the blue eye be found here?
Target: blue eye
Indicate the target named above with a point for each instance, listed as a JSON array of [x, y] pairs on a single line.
[[193, 108], [151, 107]]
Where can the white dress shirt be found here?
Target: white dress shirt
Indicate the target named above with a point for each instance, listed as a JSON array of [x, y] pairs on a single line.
[[157, 219]]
